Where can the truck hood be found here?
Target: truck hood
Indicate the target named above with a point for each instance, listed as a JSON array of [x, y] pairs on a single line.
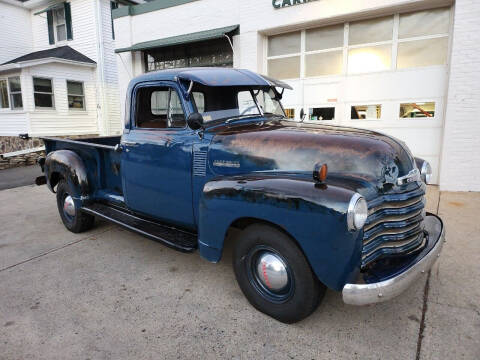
[[284, 146]]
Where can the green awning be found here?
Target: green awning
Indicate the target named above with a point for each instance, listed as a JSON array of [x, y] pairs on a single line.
[[182, 39], [51, 7]]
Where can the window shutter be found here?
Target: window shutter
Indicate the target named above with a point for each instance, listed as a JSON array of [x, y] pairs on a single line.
[[51, 38], [68, 20]]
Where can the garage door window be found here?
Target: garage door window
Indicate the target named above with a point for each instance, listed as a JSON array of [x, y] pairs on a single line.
[[417, 110], [366, 112], [321, 113]]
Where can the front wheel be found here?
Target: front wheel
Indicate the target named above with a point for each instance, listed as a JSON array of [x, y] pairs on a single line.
[[74, 220], [274, 275]]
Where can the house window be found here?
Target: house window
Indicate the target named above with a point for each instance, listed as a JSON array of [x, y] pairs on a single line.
[[76, 96], [417, 110], [43, 93], [15, 93], [366, 112], [322, 113], [60, 24], [3, 94]]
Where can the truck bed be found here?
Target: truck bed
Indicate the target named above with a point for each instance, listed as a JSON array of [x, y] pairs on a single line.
[[101, 161]]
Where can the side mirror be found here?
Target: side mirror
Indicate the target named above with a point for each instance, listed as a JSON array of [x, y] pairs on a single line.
[[195, 121], [302, 114]]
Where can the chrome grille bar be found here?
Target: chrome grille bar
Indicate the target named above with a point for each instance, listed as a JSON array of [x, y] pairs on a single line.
[[394, 225]]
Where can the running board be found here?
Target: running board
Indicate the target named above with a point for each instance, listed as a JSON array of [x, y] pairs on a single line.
[[177, 239]]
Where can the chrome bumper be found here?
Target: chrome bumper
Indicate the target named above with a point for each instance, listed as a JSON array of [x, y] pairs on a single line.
[[364, 294]]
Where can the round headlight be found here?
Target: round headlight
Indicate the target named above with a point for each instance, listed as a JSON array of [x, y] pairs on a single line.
[[357, 212], [426, 172]]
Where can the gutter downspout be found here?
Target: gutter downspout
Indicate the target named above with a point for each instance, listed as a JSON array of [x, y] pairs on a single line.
[[102, 104]]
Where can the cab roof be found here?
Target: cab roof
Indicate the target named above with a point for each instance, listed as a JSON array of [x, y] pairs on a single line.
[[211, 76]]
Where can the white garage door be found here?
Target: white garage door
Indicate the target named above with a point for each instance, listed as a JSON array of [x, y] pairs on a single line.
[[387, 74]]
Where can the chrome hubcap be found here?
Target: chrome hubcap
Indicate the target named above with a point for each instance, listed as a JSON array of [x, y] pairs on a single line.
[[69, 206], [272, 272]]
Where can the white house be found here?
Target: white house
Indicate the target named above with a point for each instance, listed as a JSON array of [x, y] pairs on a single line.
[[409, 68], [58, 72]]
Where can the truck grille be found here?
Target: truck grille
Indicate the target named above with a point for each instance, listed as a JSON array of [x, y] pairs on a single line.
[[394, 226]]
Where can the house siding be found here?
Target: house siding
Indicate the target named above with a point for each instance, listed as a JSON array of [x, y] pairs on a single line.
[[16, 32], [61, 120]]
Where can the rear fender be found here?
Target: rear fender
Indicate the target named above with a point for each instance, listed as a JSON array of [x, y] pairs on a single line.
[[313, 215], [68, 165]]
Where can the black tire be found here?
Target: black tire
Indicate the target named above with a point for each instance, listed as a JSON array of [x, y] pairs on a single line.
[[303, 292], [80, 221]]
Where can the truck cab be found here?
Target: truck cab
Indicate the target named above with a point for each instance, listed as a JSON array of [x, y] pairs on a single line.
[[207, 153]]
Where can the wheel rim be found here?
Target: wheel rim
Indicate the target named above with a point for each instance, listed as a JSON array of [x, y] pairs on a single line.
[[68, 207], [269, 274]]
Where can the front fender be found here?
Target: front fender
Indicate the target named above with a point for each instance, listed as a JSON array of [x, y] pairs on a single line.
[[68, 165], [313, 215]]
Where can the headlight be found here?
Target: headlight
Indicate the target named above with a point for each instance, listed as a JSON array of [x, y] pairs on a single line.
[[357, 212], [426, 172]]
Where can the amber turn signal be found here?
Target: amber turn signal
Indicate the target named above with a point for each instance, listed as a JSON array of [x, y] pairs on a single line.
[[320, 172]]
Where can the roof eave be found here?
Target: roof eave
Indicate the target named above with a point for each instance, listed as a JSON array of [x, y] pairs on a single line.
[[30, 63]]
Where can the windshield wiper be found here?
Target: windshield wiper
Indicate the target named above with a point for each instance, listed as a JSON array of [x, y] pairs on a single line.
[[240, 117]]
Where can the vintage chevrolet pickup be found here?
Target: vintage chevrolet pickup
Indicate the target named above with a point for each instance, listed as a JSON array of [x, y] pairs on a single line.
[[208, 156]]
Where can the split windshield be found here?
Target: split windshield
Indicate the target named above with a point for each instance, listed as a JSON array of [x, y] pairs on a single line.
[[230, 103]]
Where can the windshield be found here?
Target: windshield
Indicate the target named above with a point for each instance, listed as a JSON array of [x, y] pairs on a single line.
[[229, 103]]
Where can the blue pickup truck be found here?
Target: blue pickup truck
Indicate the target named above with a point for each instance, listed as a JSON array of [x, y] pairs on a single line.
[[208, 156]]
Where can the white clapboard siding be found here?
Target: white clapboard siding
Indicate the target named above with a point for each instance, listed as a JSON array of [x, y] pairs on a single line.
[[90, 41], [62, 120], [15, 32]]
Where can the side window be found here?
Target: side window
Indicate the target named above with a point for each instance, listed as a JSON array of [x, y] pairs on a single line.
[[159, 108]]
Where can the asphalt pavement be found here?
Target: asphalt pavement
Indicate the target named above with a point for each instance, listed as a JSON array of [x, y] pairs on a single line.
[[19, 176], [112, 294]]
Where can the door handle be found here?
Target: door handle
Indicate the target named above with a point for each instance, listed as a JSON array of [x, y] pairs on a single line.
[[129, 143]]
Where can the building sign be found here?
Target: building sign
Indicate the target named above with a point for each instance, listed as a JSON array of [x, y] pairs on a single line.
[[278, 4]]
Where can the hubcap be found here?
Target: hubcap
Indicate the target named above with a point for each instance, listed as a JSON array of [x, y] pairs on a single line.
[[69, 206], [272, 272]]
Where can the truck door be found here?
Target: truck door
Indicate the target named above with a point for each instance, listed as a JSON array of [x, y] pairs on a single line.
[[157, 156]]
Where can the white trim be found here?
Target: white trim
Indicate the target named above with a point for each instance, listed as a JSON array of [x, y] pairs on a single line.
[[30, 63]]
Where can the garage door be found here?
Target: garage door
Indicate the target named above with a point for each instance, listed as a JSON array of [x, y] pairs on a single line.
[[387, 74]]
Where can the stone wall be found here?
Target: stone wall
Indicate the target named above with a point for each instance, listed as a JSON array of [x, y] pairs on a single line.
[[14, 143]]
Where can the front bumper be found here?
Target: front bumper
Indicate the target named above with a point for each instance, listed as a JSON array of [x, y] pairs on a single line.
[[363, 294]]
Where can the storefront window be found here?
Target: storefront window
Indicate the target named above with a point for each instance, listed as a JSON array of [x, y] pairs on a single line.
[[284, 68], [216, 53], [371, 31], [284, 44], [369, 45], [429, 22], [369, 59], [417, 110], [324, 38]]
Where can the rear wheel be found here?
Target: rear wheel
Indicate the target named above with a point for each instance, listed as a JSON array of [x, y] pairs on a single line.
[[274, 274], [74, 220]]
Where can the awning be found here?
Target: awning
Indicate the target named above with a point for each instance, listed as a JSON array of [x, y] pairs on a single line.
[[51, 7], [182, 39]]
